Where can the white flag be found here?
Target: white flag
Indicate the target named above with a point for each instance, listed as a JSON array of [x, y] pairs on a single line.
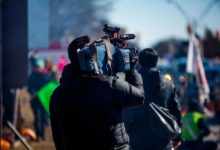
[[195, 66]]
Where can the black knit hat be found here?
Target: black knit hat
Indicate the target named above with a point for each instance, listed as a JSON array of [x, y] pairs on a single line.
[[148, 57], [76, 44]]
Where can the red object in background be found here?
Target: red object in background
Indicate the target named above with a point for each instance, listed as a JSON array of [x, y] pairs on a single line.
[[183, 112], [28, 133], [55, 45], [211, 105], [4, 144], [62, 63]]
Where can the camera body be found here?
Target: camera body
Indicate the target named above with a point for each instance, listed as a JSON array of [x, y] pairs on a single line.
[[111, 31], [120, 61], [105, 56]]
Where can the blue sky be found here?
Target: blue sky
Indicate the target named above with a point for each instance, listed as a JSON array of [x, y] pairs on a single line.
[[155, 20]]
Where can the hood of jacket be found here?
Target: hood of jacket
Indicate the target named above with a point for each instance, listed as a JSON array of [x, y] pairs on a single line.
[[152, 80], [70, 78]]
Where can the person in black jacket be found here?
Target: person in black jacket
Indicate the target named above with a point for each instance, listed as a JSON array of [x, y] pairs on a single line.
[[86, 112], [155, 85]]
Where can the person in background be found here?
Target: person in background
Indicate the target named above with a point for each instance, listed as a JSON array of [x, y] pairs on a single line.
[[217, 99], [195, 128], [182, 92], [36, 81], [50, 69], [155, 85]]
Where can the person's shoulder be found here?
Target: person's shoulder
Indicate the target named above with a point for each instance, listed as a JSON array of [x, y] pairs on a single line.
[[56, 93], [168, 80]]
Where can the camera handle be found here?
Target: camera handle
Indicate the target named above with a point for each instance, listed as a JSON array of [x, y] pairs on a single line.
[[109, 55], [95, 59]]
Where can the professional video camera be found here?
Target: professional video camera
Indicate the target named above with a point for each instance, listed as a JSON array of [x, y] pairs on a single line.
[[116, 39], [107, 55]]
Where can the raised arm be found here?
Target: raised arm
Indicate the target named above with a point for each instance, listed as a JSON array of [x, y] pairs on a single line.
[[128, 93]]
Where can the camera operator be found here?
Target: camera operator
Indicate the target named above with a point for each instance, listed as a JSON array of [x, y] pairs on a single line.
[[86, 111]]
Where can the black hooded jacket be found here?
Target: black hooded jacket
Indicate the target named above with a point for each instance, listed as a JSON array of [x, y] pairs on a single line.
[[136, 120], [86, 113]]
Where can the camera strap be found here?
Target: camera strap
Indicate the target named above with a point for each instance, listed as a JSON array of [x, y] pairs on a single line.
[[94, 58], [108, 52]]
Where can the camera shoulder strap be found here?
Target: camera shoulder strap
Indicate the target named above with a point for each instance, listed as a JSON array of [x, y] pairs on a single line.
[[108, 51], [94, 58]]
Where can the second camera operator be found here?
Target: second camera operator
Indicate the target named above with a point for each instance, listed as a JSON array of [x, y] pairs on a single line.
[[86, 111]]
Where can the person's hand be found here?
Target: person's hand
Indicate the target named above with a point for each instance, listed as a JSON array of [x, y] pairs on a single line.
[[133, 57]]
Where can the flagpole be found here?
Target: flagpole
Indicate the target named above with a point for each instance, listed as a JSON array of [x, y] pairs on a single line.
[[195, 68]]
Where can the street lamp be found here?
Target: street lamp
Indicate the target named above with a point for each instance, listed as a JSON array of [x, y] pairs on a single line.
[[207, 9], [180, 8], [190, 20]]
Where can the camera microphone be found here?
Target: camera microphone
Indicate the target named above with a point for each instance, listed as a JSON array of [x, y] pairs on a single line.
[[127, 36]]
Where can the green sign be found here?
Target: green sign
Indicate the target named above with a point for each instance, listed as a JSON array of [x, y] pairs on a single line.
[[45, 92]]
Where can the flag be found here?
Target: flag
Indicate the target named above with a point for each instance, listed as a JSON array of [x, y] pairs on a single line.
[[45, 92], [195, 67]]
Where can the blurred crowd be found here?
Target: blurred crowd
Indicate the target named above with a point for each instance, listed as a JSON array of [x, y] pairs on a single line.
[[42, 71]]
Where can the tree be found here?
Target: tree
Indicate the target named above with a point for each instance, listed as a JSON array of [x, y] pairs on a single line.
[[77, 17]]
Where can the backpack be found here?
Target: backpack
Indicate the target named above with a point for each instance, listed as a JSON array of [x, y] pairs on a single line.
[[162, 123]]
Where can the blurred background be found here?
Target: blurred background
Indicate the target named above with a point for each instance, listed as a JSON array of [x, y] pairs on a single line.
[[34, 35]]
